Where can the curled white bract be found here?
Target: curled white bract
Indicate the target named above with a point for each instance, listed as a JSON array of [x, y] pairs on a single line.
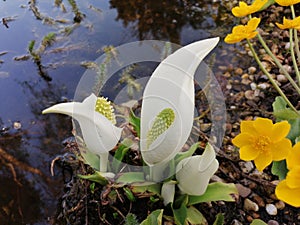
[[172, 86], [99, 134], [193, 173]]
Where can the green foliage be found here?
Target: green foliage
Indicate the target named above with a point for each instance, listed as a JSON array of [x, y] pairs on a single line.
[[180, 214], [215, 192], [131, 219], [258, 222], [131, 177], [135, 122], [195, 217], [182, 155], [219, 219], [31, 46], [281, 112], [149, 187], [279, 169], [48, 39], [155, 218], [120, 154], [95, 177], [269, 3], [129, 194]]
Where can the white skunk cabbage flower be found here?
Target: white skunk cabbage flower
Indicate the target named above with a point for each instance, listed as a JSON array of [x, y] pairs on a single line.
[[96, 120], [193, 173], [168, 105]]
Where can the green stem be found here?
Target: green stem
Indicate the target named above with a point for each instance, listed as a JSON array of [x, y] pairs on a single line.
[[273, 82], [280, 66], [295, 35], [157, 171], [293, 56]]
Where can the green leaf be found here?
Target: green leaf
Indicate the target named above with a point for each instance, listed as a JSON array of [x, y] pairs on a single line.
[[135, 122], [279, 169], [258, 222], [95, 177], [129, 194], [219, 219], [270, 2], [279, 104], [155, 218], [150, 187], [295, 131], [180, 214], [195, 217], [120, 154], [131, 177], [182, 155], [286, 114], [131, 219], [215, 192]]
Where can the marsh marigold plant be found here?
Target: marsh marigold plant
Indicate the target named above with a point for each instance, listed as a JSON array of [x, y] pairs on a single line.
[[262, 141], [287, 2], [244, 10]]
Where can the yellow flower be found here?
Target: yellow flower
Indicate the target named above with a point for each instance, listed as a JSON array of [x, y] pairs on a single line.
[[287, 24], [288, 190], [262, 141], [244, 10], [287, 2], [242, 32]]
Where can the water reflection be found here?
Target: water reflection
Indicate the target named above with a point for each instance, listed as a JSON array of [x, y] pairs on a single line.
[[165, 20]]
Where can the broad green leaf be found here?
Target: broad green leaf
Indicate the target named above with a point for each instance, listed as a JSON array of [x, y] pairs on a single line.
[[279, 169], [131, 177], [279, 104], [295, 131], [146, 187], [215, 192], [195, 217], [286, 114], [182, 155], [219, 219], [135, 122], [180, 214], [91, 159], [95, 177], [120, 154], [155, 218], [258, 222]]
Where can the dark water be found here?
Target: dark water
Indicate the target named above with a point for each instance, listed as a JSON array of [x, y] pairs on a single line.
[[29, 141]]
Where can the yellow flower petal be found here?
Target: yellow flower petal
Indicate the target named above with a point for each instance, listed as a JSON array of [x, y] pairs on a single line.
[[293, 158], [242, 139], [287, 2], [281, 149], [293, 177], [280, 130], [263, 126], [247, 126], [289, 24], [287, 194], [262, 161], [244, 10], [248, 153]]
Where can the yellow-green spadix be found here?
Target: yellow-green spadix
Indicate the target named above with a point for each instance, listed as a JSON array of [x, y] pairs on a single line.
[[170, 90], [99, 134]]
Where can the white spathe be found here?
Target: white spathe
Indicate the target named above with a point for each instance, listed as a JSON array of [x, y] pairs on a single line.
[[193, 173], [99, 134], [172, 86]]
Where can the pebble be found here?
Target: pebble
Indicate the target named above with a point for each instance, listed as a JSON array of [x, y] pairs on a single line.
[[247, 167], [288, 68], [243, 191], [251, 70], [271, 209], [249, 94], [236, 222], [273, 222], [239, 71], [259, 200], [253, 86], [280, 205], [17, 125], [250, 205], [262, 86], [281, 78]]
